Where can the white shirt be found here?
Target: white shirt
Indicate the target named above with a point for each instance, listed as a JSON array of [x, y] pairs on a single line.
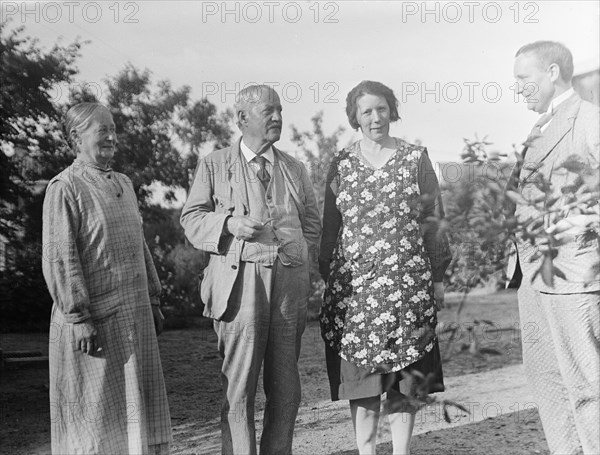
[[554, 104], [250, 155]]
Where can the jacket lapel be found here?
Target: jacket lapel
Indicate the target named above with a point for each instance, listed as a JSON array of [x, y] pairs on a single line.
[[292, 176], [541, 146], [235, 174]]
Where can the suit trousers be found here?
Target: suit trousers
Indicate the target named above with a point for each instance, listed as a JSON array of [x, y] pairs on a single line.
[[264, 322], [561, 353]]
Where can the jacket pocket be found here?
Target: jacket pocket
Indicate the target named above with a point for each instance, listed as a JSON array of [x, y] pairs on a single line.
[[223, 203]]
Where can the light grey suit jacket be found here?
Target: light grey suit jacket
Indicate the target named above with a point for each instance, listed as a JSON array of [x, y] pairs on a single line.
[[574, 130], [219, 190]]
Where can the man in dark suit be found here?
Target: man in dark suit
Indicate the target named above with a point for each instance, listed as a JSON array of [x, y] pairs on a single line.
[[253, 208], [560, 322]]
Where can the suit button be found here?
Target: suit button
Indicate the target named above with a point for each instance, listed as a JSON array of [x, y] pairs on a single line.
[[245, 212], [234, 267]]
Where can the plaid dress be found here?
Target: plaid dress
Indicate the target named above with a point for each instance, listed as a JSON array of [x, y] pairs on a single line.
[[98, 266]]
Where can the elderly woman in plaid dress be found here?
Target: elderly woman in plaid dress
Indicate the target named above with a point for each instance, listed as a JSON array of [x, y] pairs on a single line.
[[107, 392]]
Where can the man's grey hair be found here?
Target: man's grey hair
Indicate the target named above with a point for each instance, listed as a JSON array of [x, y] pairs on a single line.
[[549, 52], [250, 96]]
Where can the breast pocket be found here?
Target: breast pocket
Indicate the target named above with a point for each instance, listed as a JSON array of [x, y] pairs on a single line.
[[223, 203]]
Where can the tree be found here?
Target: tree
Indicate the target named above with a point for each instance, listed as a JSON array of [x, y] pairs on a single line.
[[31, 148], [475, 219], [480, 223], [485, 208], [476, 228], [154, 123], [318, 150], [574, 206], [160, 130], [198, 125], [29, 119], [144, 120]]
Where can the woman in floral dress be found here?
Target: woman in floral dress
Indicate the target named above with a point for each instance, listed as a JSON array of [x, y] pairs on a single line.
[[383, 262]]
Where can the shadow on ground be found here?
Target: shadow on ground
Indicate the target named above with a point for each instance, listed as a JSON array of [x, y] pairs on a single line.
[[514, 434]]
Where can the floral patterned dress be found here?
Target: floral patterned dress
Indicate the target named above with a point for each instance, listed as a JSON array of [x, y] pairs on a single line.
[[378, 310]]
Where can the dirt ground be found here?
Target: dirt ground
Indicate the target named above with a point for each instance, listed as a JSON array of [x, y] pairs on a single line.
[[191, 367]]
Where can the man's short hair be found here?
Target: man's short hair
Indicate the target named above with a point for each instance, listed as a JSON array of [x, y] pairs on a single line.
[[549, 52], [250, 95]]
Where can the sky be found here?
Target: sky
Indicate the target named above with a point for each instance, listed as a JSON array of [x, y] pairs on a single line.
[[449, 63]]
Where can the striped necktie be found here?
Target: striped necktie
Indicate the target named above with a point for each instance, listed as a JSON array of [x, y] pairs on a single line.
[[536, 131], [262, 174], [513, 180]]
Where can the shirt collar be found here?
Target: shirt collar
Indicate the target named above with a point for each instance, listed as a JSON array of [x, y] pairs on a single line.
[[249, 154], [558, 100], [79, 161]]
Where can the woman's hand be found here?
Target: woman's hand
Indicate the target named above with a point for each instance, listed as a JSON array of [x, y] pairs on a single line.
[[85, 337], [324, 269], [438, 295]]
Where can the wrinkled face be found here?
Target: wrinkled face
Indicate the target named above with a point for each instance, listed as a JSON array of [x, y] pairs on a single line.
[[263, 118], [97, 143], [534, 82], [373, 116]]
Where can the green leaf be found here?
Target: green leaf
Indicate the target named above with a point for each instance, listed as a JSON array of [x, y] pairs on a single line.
[[559, 273], [456, 405], [515, 196], [447, 415], [547, 271], [573, 164]]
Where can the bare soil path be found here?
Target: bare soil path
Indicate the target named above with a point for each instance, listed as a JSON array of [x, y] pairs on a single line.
[[503, 420]]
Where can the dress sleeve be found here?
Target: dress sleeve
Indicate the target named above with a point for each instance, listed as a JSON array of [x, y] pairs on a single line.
[[154, 286], [312, 218], [61, 263], [332, 220], [432, 211]]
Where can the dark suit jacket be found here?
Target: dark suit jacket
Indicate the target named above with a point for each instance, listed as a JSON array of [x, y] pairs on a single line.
[[574, 130], [219, 190]]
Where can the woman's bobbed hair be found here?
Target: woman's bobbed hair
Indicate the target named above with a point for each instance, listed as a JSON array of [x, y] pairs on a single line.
[[370, 88]]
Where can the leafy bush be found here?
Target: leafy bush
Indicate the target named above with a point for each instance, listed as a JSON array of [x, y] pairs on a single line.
[[474, 220], [178, 264], [24, 298]]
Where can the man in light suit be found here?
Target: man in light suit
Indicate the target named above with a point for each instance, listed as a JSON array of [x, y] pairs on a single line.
[[560, 323], [253, 208]]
